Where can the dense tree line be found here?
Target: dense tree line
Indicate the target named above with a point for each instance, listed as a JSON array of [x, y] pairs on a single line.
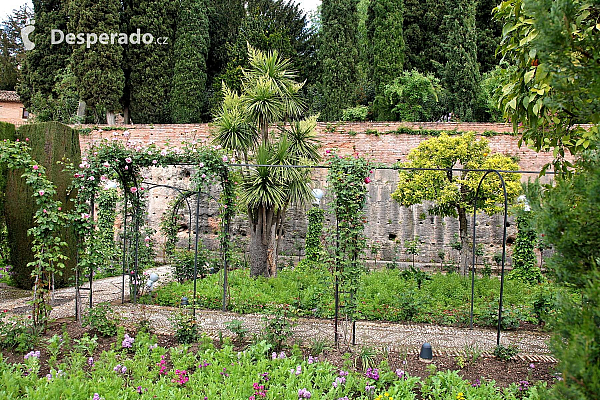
[[351, 53]]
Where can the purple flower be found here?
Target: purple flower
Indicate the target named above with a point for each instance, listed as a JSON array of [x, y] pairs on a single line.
[[372, 373], [304, 394], [312, 359], [343, 373], [265, 376], [400, 373], [340, 380], [127, 341], [532, 365], [282, 354], [96, 396], [368, 388], [523, 385], [91, 361], [32, 354], [477, 383]]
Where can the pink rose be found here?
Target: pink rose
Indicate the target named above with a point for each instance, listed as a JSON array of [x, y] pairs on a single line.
[[35, 167], [41, 192], [367, 180]]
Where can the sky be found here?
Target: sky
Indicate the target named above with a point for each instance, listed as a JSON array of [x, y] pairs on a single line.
[[6, 6]]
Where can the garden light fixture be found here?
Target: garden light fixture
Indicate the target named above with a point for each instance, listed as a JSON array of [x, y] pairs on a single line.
[[426, 354], [318, 195], [184, 301]]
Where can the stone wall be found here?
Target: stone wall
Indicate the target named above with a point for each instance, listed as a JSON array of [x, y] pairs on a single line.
[[389, 226]]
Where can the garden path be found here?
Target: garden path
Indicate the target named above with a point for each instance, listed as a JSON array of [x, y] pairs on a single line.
[[402, 337]]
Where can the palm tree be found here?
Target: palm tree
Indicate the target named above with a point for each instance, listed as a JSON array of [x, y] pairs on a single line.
[[269, 95]]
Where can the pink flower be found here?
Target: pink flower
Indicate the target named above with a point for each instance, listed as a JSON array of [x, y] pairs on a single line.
[[91, 178], [201, 165], [203, 176], [128, 160], [35, 167], [106, 165], [126, 168], [85, 215], [367, 180], [163, 152], [133, 189], [154, 161], [45, 211], [327, 151], [225, 159], [27, 139], [59, 208], [103, 178], [41, 192]]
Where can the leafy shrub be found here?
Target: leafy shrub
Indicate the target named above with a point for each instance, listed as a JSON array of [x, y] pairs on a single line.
[[102, 319], [18, 333], [237, 328], [413, 96], [183, 261], [185, 327], [358, 113], [277, 329], [505, 353]]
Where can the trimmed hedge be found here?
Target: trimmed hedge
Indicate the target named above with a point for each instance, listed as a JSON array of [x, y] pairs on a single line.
[[50, 142]]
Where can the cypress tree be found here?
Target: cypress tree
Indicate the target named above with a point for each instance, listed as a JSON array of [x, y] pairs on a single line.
[[460, 76], [489, 33], [225, 18], [50, 142], [7, 132], [424, 49], [384, 30], [191, 47], [43, 64], [149, 67], [98, 69], [338, 56]]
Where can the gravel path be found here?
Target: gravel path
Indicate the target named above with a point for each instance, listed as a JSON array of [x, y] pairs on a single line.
[[403, 337]]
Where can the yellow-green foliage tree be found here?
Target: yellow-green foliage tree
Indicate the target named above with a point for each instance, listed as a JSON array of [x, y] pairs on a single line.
[[453, 192]]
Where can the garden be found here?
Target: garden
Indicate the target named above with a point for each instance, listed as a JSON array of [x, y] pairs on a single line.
[[298, 270]]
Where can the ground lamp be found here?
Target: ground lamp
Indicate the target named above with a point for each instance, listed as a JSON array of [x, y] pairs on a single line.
[[318, 195], [426, 354], [184, 302], [151, 281]]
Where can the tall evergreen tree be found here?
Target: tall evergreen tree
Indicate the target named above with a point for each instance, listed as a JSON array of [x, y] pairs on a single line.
[[225, 18], [149, 67], [44, 63], [422, 22], [188, 95], [460, 76], [489, 33], [98, 69], [384, 30], [338, 56], [12, 51]]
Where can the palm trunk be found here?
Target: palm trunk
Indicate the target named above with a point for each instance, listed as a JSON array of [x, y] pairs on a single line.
[[261, 247]]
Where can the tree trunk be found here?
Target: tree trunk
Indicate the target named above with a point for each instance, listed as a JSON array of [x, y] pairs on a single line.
[[81, 110], [261, 243], [110, 118], [464, 240], [126, 115]]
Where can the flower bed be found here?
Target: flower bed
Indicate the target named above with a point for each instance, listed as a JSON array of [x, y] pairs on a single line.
[[382, 295]]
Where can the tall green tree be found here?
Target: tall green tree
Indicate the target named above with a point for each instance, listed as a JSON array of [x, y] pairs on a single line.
[[453, 192], [460, 75], [12, 51], [269, 94], [98, 69], [423, 39], [225, 18], [553, 83], [489, 33], [384, 30], [44, 63], [338, 56], [188, 97], [149, 67]]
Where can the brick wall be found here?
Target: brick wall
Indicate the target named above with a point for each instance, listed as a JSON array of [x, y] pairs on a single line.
[[385, 148]]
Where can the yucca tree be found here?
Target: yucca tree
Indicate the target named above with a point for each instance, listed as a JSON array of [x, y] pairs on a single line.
[[269, 95]]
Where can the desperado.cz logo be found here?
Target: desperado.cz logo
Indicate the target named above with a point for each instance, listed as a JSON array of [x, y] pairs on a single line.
[[57, 36]]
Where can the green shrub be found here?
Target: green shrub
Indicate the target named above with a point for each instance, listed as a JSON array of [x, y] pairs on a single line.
[[185, 327], [183, 261], [505, 353], [358, 113], [102, 319], [412, 96]]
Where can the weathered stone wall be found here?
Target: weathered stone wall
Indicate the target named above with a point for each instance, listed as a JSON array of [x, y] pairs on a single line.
[[389, 225]]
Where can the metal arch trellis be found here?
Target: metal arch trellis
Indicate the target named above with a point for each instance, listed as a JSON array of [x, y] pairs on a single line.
[[226, 223], [184, 196]]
